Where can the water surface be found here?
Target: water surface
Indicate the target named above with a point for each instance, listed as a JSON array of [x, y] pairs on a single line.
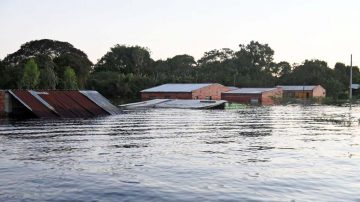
[[277, 153]]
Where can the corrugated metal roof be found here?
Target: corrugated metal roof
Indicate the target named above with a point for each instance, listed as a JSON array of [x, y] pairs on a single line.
[[101, 101], [175, 103], [250, 90], [297, 88], [191, 104], [232, 88], [34, 105], [71, 104], [55, 104], [355, 86], [177, 87]]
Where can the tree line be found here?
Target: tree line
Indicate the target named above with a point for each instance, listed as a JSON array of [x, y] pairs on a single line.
[[125, 70]]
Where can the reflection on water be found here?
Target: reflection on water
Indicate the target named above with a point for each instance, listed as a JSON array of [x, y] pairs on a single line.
[[255, 154]]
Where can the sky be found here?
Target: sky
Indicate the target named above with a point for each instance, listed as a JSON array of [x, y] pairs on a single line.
[[296, 30]]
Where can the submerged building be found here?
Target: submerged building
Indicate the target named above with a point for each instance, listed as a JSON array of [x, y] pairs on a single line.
[[194, 91], [54, 104], [303, 92], [261, 96]]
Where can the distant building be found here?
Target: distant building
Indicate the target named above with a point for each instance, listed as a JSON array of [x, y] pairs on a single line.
[[263, 96], [54, 104], [196, 91], [303, 92]]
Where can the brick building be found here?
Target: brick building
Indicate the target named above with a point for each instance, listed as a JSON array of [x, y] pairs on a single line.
[[303, 92], [263, 96], [201, 91]]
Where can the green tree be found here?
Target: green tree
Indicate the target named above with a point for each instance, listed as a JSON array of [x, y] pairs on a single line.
[[260, 55], [280, 69], [78, 62], [216, 56], [69, 79], [47, 53], [31, 75], [124, 59], [48, 78]]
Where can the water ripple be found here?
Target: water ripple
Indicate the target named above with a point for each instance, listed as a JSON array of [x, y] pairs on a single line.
[[282, 153]]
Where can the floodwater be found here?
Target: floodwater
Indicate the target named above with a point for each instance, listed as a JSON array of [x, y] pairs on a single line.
[[282, 153]]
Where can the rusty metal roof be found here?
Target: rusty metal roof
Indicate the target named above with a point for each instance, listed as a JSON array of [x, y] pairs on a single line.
[[56, 103], [72, 104], [34, 105]]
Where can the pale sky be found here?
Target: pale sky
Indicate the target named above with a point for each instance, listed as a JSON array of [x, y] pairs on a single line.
[[296, 29]]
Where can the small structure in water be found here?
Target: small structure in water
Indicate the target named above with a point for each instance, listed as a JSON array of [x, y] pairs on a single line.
[[54, 104], [303, 92], [176, 103], [256, 96]]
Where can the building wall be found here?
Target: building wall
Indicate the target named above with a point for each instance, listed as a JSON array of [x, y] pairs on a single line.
[[298, 94], [2, 103], [211, 92], [241, 98], [316, 92], [265, 98], [168, 95], [269, 97], [319, 91]]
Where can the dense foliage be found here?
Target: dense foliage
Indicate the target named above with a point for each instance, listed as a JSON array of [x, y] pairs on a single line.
[[125, 70], [54, 55], [31, 75]]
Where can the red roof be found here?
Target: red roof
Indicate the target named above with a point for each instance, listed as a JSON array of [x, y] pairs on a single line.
[[63, 104], [35, 105]]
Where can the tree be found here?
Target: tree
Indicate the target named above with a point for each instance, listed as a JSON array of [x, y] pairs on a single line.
[[78, 62], [31, 75], [260, 55], [48, 53], [124, 59], [48, 78], [182, 61], [280, 69], [342, 73], [69, 79], [216, 56]]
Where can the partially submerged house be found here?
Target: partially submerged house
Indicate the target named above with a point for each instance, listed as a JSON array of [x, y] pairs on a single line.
[[195, 91], [55, 104], [262, 96], [303, 92]]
